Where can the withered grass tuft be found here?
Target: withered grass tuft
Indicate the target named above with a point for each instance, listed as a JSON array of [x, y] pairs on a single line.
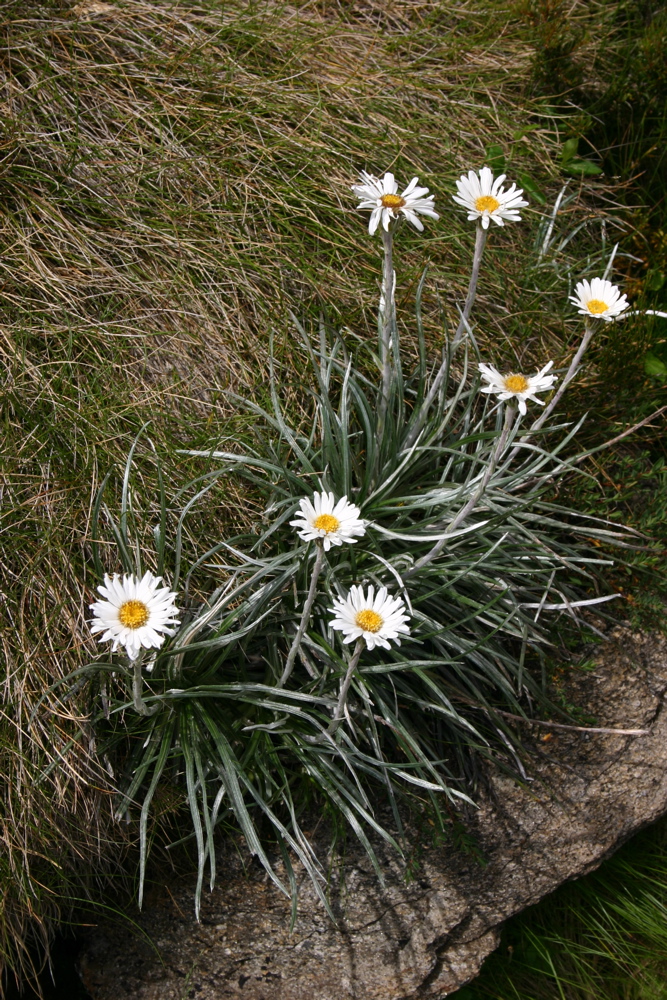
[[174, 180]]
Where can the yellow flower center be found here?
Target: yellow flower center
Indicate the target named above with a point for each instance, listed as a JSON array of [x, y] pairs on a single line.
[[392, 201], [596, 306], [326, 523], [133, 614], [369, 620], [516, 383], [487, 203]]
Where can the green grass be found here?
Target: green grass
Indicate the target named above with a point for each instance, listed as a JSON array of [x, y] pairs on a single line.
[[616, 95], [174, 180], [630, 487]]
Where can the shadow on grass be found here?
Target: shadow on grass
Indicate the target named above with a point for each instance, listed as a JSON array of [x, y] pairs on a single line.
[[62, 982]]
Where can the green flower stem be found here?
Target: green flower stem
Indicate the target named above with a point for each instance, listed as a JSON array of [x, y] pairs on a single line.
[[510, 414], [342, 699], [571, 372], [305, 617], [140, 705], [480, 243]]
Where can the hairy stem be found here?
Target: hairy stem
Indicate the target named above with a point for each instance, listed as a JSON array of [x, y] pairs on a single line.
[[342, 699], [388, 320], [480, 243], [305, 617], [571, 372], [389, 308], [140, 705], [510, 414]]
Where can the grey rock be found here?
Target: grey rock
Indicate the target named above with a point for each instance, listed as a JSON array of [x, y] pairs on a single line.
[[426, 938]]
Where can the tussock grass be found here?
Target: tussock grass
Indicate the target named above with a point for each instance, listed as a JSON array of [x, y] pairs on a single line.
[[174, 179]]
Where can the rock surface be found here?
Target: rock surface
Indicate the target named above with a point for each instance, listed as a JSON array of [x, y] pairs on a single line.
[[427, 938]]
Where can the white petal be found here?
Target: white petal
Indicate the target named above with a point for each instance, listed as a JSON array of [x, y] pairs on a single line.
[[411, 217], [389, 185]]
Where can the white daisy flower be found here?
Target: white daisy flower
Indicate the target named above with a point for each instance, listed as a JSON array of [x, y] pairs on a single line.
[[600, 299], [325, 519], [521, 387], [135, 613], [376, 618], [485, 198], [386, 204]]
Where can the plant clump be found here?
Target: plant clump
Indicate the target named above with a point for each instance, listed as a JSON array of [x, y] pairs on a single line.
[[424, 531]]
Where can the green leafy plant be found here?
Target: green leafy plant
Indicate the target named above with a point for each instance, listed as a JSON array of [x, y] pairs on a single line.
[[575, 165], [655, 362]]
